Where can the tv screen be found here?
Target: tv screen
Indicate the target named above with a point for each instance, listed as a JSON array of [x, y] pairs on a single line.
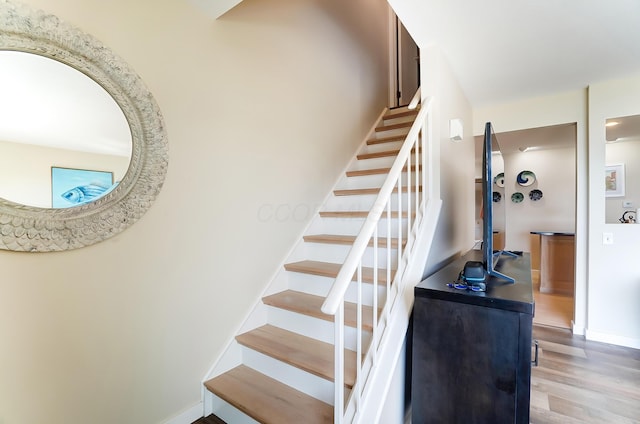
[[490, 256]]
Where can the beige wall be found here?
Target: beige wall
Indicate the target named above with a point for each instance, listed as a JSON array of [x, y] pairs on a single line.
[[456, 188], [627, 153], [262, 107], [614, 270], [555, 176]]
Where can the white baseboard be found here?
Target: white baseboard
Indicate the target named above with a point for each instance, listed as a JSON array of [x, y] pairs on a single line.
[[597, 336], [577, 329], [188, 416]]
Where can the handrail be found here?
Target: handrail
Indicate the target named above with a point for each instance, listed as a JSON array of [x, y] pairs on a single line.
[[345, 275], [415, 100]]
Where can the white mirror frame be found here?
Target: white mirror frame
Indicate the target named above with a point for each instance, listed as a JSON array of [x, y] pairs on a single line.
[[31, 229]]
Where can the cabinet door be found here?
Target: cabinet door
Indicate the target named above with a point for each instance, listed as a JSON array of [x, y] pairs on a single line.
[[464, 363]]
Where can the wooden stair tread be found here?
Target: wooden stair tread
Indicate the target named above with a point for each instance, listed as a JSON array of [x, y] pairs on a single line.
[[390, 127], [383, 154], [309, 304], [399, 114], [390, 139], [328, 269], [267, 400], [365, 191], [359, 214], [376, 171], [303, 352], [346, 240]]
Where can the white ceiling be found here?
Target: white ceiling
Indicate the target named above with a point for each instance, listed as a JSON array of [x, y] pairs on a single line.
[[506, 50], [542, 138], [502, 50], [215, 8]]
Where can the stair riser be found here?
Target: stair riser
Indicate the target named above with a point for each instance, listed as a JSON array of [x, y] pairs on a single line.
[[335, 225], [364, 202], [300, 380], [373, 163], [320, 286], [370, 181], [384, 146], [396, 118], [335, 253], [228, 413], [365, 181], [347, 226], [392, 132], [313, 327], [392, 120]]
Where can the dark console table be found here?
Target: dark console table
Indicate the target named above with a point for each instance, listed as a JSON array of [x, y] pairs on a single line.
[[471, 355]]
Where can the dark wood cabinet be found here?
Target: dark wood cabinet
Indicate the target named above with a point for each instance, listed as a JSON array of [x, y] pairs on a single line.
[[471, 353]]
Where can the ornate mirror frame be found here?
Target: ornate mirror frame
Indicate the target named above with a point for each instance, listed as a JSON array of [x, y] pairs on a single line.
[[32, 229]]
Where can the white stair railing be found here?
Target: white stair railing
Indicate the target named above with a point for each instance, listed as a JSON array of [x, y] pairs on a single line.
[[404, 194]]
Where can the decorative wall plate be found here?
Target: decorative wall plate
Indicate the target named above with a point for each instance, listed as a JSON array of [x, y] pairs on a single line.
[[526, 178], [497, 196], [499, 180], [517, 197], [535, 195]]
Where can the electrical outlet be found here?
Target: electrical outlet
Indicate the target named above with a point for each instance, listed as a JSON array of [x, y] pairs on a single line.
[[627, 204], [607, 238]]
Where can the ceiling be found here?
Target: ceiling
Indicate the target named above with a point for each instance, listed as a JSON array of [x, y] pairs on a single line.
[[542, 138], [504, 50]]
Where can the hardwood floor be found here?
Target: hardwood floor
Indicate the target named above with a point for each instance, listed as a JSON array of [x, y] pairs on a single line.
[[577, 381], [211, 419], [555, 310]]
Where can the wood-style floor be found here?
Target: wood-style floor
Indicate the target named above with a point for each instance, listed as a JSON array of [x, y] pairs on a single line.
[[579, 381], [555, 310], [211, 419]]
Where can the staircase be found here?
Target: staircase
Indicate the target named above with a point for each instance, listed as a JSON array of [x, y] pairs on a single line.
[[294, 363]]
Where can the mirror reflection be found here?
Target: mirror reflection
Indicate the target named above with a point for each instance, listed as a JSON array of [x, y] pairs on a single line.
[[64, 141], [499, 223], [622, 173], [499, 197]]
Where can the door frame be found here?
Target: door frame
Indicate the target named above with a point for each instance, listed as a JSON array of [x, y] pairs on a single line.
[[395, 64]]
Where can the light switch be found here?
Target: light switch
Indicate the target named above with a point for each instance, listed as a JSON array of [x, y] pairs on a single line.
[[607, 238], [627, 204]]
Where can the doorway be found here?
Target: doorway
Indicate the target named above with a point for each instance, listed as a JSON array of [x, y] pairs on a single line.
[[405, 64], [542, 203]]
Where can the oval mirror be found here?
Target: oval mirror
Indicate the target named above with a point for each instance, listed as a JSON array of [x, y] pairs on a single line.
[[122, 143]]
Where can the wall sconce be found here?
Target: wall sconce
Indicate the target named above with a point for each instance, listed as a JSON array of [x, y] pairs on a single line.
[[455, 130]]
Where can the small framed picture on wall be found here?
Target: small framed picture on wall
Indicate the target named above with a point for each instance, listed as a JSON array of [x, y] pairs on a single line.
[[614, 180]]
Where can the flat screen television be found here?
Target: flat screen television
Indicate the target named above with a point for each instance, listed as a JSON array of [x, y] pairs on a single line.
[[490, 256]]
